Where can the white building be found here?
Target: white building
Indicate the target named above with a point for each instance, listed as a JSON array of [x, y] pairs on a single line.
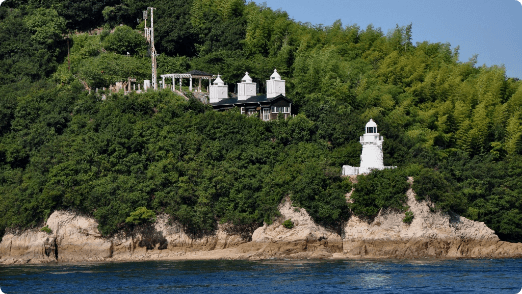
[[273, 105], [275, 86], [371, 157], [146, 85], [246, 88], [218, 91]]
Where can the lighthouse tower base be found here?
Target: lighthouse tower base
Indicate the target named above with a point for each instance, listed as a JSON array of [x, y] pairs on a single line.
[[349, 170]]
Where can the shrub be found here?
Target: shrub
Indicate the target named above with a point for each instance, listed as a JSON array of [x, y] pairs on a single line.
[[123, 40], [408, 217], [320, 190], [288, 224], [379, 189], [141, 215], [47, 230], [106, 69], [431, 185]]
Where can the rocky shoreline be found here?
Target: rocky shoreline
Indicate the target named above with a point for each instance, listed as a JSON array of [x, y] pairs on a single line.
[[75, 238]]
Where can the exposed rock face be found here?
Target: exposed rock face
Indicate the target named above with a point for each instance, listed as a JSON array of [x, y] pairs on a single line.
[[305, 239], [29, 246], [166, 240], [75, 238], [430, 234]]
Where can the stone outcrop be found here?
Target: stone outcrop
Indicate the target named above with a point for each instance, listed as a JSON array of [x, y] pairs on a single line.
[[28, 246], [75, 238], [305, 240], [165, 240], [430, 234]]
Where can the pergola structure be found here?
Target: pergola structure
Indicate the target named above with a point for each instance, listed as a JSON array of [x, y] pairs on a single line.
[[195, 74]]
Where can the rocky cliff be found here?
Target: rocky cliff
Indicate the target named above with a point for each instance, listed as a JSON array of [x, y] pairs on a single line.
[[430, 234], [75, 238]]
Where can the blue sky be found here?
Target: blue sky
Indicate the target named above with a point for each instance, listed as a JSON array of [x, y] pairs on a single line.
[[490, 28]]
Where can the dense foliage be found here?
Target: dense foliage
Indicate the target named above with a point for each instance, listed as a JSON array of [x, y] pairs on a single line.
[[141, 215], [107, 158], [379, 189], [454, 126]]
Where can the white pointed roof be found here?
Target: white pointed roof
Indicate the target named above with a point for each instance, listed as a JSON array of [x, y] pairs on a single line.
[[218, 81], [371, 123], [275, 75], [246, 78]]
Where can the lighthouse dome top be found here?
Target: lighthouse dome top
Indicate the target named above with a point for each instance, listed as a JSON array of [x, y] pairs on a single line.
[[371, 127], [275, 75], [371, 123], [219, 81], [246, 78]]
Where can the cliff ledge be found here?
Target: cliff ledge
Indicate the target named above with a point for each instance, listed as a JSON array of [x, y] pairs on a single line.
[[75, 238]]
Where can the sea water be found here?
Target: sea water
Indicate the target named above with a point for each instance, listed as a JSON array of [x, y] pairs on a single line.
[[269, 276]]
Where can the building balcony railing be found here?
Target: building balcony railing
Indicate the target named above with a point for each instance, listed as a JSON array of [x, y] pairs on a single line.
[[377, 138]]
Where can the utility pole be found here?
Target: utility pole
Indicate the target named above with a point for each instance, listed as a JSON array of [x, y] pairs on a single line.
[[149, 34]]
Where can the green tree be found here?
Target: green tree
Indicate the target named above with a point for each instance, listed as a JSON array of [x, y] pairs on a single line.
[[379, 190], [123, 40], [141, 215], [514, 135]]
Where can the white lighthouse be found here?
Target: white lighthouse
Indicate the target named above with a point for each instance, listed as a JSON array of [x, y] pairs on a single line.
[[371, 157]]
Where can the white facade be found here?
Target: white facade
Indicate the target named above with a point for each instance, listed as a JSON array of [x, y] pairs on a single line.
[[372, 156], [349, 170], [218, 91], [275, 86], [246, 88]]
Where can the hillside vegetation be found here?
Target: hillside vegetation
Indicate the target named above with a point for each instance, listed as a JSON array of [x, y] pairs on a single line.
[[454, 126]]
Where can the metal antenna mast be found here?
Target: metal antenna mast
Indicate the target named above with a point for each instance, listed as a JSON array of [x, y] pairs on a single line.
[[149, 34]]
